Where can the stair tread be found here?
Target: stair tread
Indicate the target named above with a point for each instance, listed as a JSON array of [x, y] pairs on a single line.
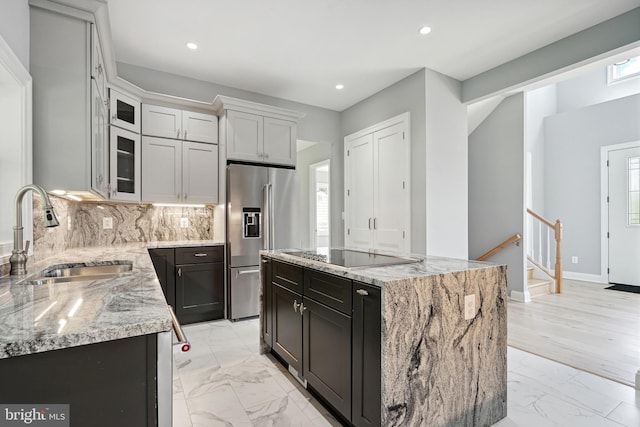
[[538, 282]]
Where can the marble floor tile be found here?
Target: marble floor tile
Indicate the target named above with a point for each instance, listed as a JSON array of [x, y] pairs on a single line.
[[225, 382]]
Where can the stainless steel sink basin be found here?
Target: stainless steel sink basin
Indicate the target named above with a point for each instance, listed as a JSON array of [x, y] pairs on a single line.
[[80, 272]]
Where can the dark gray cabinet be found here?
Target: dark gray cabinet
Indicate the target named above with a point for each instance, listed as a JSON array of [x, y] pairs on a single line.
[[326, 337], [111, 383], [366, 399], [199, 284], [287, 326], [192, 280]]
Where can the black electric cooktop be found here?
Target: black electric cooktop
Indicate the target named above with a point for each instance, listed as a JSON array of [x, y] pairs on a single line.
[[350, 258]]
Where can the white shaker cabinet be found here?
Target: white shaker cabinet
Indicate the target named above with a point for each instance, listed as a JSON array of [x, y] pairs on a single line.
[[175, 171], [124, 151], [174, 123], [124, 111], [377, 196], [257, 133]]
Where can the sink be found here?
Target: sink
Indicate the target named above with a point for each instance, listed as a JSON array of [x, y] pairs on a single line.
[[80, 272]]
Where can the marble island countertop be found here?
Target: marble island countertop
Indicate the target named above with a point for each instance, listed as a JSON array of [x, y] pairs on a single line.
[[426, 266], [37, 318]]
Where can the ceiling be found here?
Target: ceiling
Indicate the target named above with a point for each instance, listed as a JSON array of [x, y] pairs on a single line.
[[299, 50]]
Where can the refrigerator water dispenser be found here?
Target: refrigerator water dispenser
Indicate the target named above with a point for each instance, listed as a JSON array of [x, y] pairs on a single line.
[[251, 223]]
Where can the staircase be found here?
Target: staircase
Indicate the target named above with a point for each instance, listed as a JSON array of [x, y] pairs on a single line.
[[538, 287]]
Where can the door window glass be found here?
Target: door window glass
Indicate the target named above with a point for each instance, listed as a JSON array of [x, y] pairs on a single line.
[[634, 191]]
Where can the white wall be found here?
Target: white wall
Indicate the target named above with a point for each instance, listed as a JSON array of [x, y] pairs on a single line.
[[14, 28], [447, 167], [496, 188], [591, 88]]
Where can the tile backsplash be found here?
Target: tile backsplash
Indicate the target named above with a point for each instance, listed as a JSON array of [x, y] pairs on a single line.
[[81, 224]]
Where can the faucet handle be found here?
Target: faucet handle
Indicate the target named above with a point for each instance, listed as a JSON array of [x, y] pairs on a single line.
[[26, 246]]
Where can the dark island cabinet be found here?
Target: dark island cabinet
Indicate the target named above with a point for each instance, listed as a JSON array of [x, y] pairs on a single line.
[[366, 380], [192, 279], [287, 326], [326, 341]]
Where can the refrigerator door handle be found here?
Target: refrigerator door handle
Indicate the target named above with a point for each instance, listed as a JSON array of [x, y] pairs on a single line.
[[266, 217], [272, 235]]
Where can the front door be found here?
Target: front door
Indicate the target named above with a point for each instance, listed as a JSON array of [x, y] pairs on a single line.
[[624, 216]]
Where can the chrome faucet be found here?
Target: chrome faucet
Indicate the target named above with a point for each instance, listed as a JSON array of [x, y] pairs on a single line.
[[18, 258]]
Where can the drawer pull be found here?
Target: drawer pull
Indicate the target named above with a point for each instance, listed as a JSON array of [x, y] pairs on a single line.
[[362, 292], [199, 254]]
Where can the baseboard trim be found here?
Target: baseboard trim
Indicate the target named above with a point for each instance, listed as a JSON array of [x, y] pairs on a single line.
[[520, 296], [583, 277]]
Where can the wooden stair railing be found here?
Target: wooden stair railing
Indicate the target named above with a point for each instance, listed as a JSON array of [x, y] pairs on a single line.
[[500, 247], [557, 234]]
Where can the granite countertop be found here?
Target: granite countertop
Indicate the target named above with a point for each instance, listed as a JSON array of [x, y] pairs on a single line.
[[40, 318], [427, 266]]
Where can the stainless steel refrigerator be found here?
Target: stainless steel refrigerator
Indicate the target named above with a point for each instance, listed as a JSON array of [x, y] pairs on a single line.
[[262, 206]]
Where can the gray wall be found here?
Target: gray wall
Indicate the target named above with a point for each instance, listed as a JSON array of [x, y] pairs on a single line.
[[572, 181], [14, 28], [496, 187], [319, 124], [406, 95], [306, 158]]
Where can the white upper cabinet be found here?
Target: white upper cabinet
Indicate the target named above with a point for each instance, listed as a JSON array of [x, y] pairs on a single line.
[[99, 143], [176, 171], [124, 111], [377, 195], [257, 133], [173, 123], [97, 64]]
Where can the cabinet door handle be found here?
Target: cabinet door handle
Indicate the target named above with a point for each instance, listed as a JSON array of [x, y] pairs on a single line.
[[369, 223], [180, 272], [114, 117], [185, 135], [375, 223], [266, 155], [200, 254], [178, 136], [362, 292], [302, 309], [296, 305]]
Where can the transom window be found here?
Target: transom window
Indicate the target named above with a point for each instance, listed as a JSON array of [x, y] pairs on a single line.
[[623, 70], [634, 191]]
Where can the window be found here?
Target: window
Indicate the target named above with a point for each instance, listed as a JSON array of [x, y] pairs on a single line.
[[623, 70], [634, 191]]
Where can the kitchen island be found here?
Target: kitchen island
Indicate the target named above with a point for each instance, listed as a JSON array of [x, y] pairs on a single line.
[[432, 366], [103, 346]]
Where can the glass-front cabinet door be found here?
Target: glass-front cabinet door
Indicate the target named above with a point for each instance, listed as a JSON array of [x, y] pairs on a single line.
[[124, 111], [124, 165]]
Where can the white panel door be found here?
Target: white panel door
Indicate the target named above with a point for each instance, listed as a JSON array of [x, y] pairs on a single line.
[[360, 193], [390, 178], [199, 127], [161, 170], [199, 172], [624, 216], [279, 142], [161, 121], [245, 136]]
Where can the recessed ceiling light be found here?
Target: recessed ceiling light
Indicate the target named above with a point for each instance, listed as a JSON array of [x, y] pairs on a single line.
[[425, 30], [339, 87], [192, 45]]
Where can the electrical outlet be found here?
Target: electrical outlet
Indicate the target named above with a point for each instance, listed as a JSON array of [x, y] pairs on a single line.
[[574, 260], [184, 222], [469, 306], [107, 223]]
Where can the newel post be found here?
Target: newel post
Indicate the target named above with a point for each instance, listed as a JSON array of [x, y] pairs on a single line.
[[558, 268]]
